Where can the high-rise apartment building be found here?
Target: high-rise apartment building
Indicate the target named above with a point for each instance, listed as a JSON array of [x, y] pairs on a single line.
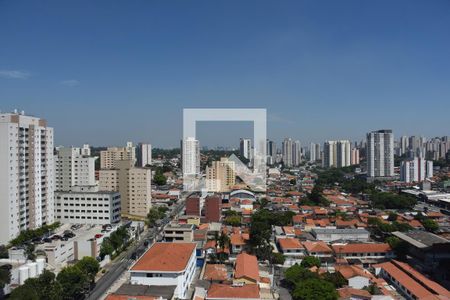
[[143, 155], [416, 170], [380, 153], [271, 152], [191, 157], [404, 145], [336, 154], [287, 152], [86, 150], [296, 153], [312, 152], [73, 168], [318, 152], [109, 157], [329, 158], [343, 155], [245, 148], [26, 174], [221, 176], [355, 156], [133, 184]]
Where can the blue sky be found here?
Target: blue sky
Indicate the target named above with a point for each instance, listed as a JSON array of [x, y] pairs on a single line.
[[105, 72]]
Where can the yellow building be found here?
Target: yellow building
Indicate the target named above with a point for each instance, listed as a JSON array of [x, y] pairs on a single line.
[[221, 176]]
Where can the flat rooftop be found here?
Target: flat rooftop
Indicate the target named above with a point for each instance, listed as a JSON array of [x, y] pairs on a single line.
[[420, 239]]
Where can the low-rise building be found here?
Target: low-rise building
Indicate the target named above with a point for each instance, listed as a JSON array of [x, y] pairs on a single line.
[[410, 283], [292, 249], [231, 292], [365, 252], [246, 270], [166, 264], [357, 277], [87, 205], [346, 234], [175, 232], [318, 248]]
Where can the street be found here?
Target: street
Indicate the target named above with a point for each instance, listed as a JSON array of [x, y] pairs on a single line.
[[124, 261]]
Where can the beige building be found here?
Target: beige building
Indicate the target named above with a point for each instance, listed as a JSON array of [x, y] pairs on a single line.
[[133, 184], [109, 157], [221, 176]]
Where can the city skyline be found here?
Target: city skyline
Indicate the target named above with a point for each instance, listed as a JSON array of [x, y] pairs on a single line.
[[317, 80]]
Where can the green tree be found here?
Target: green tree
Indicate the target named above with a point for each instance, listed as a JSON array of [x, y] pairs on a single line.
[[392, 216], [233, 221], [296, 273], [74, 282], [399, 246], [5, 275], [159, 179], [310, 261], [430, 225], [223, 241], [335, 278], [314, 289], [42, 287], [277, 258], [89, 266], [106, 248]]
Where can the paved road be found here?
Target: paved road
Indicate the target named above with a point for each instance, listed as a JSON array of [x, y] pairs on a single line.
[[124, 261]]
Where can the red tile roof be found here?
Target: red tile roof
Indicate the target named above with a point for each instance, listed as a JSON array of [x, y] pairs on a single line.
[[225, 291], [215, 272], [350, 271], [166, 257], [317, 246], [237, 239], [415, 282], [246, 267], [290, 243], [361, 248], [347, 293]]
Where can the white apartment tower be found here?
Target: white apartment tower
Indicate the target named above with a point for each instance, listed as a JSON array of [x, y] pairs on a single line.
[[73, 168], [191, 157], [26, 174], [245, 148], [336, 154], [329, 154], [144, 155], [296, 153], [416, 170], [380, 153], [287, 152], [312, 152]]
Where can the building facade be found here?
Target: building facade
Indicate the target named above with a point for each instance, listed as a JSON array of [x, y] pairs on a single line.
[[143, 155], [133, 184], [26, 174], [86, 205], [166, 264], [73, 168], [221, 176], [109, 157], [380, 153]]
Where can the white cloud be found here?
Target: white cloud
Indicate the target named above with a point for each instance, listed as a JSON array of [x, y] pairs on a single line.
[[14, 74], [70, 82]]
